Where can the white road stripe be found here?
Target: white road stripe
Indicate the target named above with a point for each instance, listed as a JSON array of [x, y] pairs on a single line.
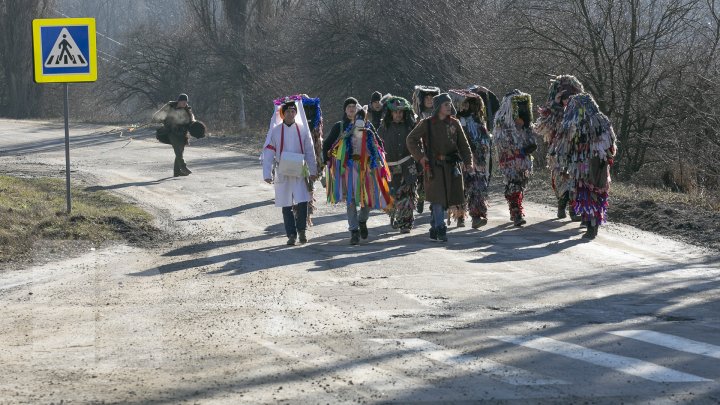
[[628, 365], [672, 342], [507, 374]]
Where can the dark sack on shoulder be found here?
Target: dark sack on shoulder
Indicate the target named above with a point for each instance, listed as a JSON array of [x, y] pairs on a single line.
[[162, 134]]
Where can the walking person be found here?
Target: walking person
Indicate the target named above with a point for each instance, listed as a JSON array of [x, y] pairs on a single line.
[[471, 114], [288, 159], [549, 126], [441, 147], [515, 141], [176, 117], [422, 101], [592, 150], [356, 170], [399, 120]]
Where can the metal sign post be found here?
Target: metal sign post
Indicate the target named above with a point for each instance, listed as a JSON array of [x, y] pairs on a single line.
[[64, 51], [67, 149]]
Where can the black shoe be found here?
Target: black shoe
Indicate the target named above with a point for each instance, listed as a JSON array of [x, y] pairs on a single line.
[[185, 169], [363, 230], [433, 234], [442, 234], [584, 224], [519, 220], [461, 222], [393, 224], [179, 173], [354, 237], [575, 218], [291, 241], [302, 237], [420, 206], [404, 230]]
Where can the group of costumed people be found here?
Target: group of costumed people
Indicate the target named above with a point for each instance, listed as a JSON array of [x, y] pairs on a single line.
[[394, 154]]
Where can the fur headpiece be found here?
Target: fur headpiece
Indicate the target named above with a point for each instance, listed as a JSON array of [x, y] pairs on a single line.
[[569, 83], [419, 94], [490, 100], [475, 106], [515, 104]]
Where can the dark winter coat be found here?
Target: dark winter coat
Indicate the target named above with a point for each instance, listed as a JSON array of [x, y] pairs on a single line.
[[333, 136], [447, 146], [394, 139]]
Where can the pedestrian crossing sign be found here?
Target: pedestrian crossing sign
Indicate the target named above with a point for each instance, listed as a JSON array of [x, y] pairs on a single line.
[[64, 50]]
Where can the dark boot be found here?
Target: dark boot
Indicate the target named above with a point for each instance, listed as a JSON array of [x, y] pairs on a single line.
[[591, 232], [433, 233], [420, 206], [354, 237], [478, 222], [519, 220], [302, 237], [185, 168], [562, 206], [291, 240], [461, 222], [363, 230], [442, 234]]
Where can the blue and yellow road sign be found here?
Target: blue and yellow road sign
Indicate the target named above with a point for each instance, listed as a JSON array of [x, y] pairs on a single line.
[[64, 50]]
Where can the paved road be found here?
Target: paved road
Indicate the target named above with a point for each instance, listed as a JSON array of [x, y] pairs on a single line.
[[229, 314]]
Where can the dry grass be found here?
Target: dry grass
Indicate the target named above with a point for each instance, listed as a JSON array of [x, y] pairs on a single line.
[[33, 210]]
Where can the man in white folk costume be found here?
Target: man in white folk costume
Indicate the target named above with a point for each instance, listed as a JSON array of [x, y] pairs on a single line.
[[288, 159]]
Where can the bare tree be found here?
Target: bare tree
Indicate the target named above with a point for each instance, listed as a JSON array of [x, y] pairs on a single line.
[[22, 94]]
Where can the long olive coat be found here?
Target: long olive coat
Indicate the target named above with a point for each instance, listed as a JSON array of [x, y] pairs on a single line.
[[443, 139]]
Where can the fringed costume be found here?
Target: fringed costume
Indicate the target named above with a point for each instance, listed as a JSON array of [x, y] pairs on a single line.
[[471, 113], [358, 175], [515, 141], [549, 127], [403, 186], [592, 148]]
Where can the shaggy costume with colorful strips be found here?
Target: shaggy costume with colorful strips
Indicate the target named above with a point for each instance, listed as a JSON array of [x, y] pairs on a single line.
[[549, 126], [515, 143], [592, 148], [358, 175]]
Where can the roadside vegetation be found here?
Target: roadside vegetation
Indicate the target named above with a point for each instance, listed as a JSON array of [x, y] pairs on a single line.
[[32, 212]]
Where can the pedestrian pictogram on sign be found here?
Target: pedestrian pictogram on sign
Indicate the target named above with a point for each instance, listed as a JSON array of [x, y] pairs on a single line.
[[65, 52]]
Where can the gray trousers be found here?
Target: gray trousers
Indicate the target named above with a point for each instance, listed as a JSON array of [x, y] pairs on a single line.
[[354, 218]]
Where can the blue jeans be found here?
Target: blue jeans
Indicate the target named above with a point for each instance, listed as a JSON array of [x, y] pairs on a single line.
[[353, 218], [292, 224], [437, 215]]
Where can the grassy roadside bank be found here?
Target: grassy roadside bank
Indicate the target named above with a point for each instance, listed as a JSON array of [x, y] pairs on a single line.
[[694, 219], [32, 213]]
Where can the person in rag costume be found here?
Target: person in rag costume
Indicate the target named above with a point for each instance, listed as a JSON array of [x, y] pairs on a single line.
[[491, 103], [549, 126], [356, 173], [399, 120], [313, 114], [471, 114], [515, 142], [176, 117], [376, 109], [289, 145], [592, 149], [422, 100], [441, 147]]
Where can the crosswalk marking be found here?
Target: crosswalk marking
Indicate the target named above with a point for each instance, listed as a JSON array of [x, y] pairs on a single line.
[[504, 373], [639, 368], [672, 342]]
